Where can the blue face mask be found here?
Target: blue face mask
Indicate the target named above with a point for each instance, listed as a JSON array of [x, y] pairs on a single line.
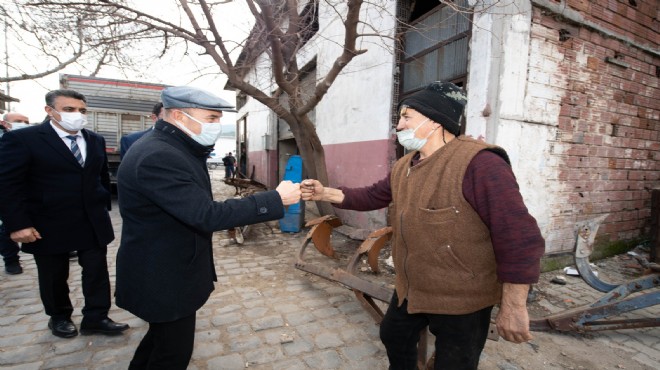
[[408, 140], [18, 125], [210, 131]]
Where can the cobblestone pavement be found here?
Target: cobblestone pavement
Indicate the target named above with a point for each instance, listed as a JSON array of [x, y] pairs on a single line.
[[265, 314]]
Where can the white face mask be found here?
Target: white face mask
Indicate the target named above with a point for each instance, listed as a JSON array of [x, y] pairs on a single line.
[[210, 131], [408, 140], [71, 121], [18, 125]]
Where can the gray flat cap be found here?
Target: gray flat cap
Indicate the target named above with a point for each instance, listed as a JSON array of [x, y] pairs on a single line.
[[192, 97]]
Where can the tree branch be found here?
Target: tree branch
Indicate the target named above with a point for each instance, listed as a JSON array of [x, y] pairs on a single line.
[[350, 27]]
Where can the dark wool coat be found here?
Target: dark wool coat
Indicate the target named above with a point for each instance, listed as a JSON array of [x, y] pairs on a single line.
[[165, 265], [42, 185]]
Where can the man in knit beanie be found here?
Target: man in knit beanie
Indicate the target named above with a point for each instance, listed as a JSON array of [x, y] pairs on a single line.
[[463, 240], [442, 102]]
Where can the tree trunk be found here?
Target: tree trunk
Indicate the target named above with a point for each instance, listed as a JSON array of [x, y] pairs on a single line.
[[313, 156]]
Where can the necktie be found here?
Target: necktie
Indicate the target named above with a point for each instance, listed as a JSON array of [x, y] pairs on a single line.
[[76, 150]]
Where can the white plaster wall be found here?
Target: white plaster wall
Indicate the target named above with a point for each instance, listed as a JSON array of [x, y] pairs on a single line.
[[481, 78], [357, 106], [532, 162], [260, 119], [513, 99]]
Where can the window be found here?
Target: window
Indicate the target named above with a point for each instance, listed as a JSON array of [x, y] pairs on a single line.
[[310, 21], [435, 46]]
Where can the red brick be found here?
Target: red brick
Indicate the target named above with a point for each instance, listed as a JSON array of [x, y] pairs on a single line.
[[582, 5]]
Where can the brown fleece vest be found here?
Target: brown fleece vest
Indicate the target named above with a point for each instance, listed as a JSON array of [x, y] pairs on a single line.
[[442, 251]]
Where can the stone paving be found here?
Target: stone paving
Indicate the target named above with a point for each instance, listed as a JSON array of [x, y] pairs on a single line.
[[265, 314]]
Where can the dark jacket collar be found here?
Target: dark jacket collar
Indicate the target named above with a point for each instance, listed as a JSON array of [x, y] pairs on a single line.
[[177, 134]]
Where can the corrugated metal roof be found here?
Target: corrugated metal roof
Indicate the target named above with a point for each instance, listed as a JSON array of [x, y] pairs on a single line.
[[120, 104], [65, 78]]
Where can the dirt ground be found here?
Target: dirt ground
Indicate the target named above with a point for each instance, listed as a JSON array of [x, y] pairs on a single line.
[[632, 349]]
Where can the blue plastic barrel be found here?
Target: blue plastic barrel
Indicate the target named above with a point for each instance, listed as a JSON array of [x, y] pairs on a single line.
[[294, 215]]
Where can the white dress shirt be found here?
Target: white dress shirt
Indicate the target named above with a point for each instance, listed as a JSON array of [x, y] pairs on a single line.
[[80, 140]]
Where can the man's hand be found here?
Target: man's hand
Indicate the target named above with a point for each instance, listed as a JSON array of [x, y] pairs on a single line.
[[311, 190], [289, 192], [25, 235], [512, 319]]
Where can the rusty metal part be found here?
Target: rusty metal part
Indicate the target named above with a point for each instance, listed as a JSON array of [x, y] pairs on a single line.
[[594, 316], [584, 246], [319, 234], [321, 229], [371, 246], [245, 187]]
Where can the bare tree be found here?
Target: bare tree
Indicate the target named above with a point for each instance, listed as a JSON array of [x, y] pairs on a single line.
[[99, 32]]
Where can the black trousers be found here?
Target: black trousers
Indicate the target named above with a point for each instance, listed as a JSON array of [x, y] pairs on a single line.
[[166, 346], [8, 248], [53, 270], [459, 339]]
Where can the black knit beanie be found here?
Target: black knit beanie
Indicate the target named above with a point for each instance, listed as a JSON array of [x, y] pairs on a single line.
[[442, 102]]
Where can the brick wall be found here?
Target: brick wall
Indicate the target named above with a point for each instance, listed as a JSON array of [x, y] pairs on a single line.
[[607, 146]]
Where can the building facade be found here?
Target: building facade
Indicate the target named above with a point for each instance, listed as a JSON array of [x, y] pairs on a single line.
[[568, 87]]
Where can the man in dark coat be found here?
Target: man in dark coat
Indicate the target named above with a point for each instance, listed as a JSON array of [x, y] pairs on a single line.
[[55, 199], [128, 140], [229, 161], [8, 248], [165, 270]]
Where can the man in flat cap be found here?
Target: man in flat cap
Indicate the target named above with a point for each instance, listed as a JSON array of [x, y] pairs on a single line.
[[165, 270], [463, 239]]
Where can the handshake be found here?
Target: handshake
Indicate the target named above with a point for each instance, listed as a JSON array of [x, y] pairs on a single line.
[[307, 190]]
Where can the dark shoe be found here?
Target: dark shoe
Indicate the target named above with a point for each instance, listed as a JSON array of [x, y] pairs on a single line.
[[73, 254], [14, 268], [62, 328], [105, 326]]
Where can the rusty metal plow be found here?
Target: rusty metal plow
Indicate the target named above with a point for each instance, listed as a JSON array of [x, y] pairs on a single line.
[[365, 291], [617, 300]]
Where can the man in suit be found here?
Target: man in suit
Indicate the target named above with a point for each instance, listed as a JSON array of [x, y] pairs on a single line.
[[128, 140], [165, 270], [8, 248], [55, 199]]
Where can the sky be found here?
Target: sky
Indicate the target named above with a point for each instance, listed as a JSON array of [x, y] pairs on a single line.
[[234, 22]]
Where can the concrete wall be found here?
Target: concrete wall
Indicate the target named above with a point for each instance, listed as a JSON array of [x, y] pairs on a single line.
[[261, 122]]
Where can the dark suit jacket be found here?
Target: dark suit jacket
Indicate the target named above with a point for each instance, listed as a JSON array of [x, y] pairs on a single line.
[[42, 185], [128, 140], [165, 265]]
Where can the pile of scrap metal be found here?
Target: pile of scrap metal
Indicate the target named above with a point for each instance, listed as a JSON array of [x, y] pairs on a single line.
[[587, 318], [617, 301]]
